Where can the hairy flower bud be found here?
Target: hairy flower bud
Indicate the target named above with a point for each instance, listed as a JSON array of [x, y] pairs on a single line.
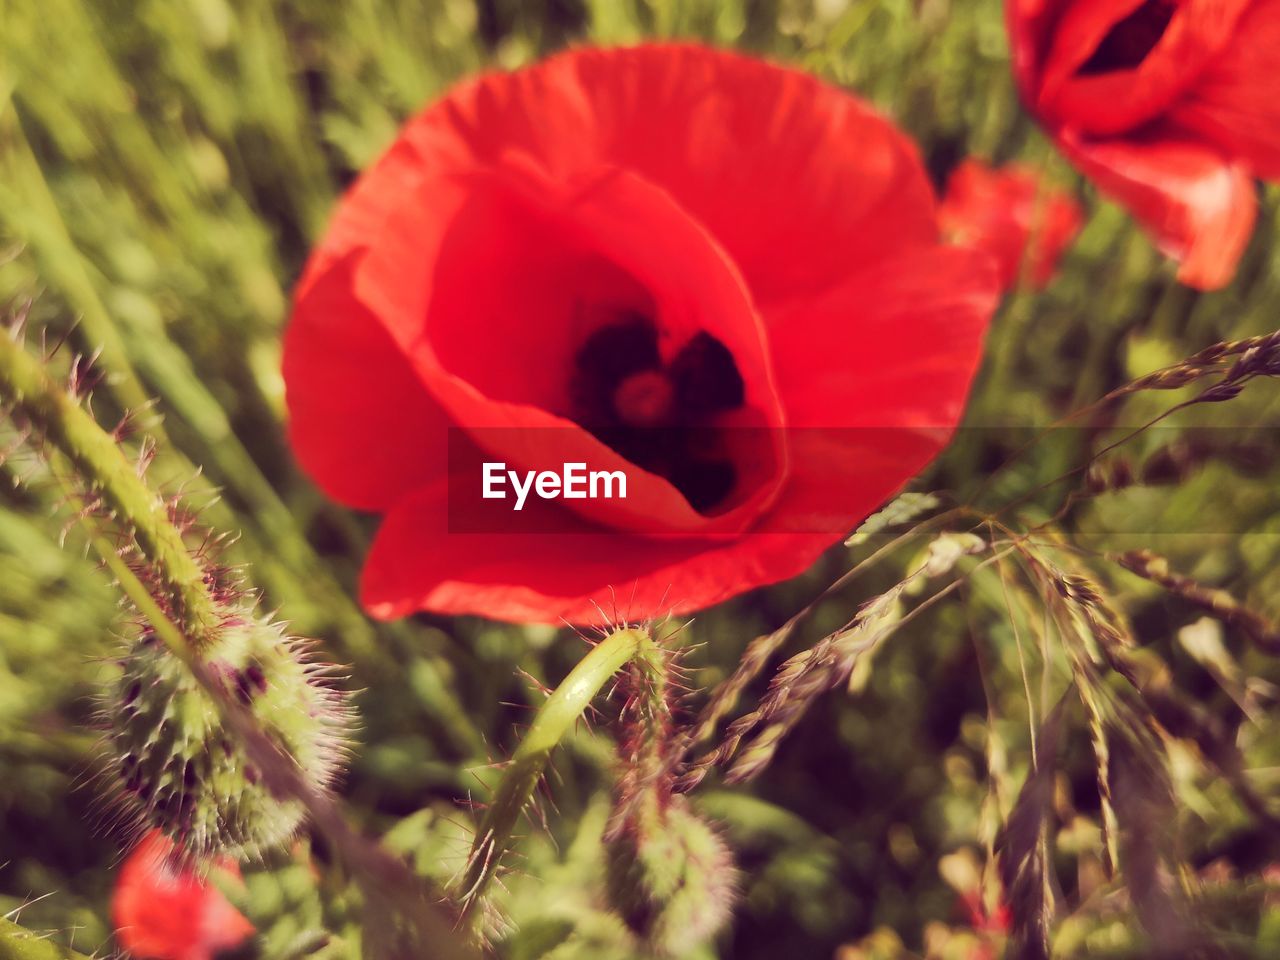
[[669, 875], [179, 769], [674, 885]]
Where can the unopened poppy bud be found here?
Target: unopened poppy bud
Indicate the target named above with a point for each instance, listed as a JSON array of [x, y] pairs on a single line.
[[180, 770], [672, 880]]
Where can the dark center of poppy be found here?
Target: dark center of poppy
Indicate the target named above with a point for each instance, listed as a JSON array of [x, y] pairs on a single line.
[[658, 414], [1130, 40]]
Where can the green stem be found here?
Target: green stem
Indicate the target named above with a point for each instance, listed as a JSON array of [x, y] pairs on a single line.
[[647, 744], [109, 474], [554, 719], [19, 943], [97, 457]]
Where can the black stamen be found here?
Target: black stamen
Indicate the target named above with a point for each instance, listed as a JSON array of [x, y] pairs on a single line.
[[609, 356], [706, 378], [704, 483], [653, 416]]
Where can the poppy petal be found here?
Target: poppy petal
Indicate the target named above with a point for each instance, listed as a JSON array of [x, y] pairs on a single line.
[[541, 258], [1030, 25], [583, 244], [360, 420], [900, 343], [162, 909], [854, 444], [1199, 205], [830, 180], [617, 178], [416, 563], [222, 926], [1236, 101], [1012, 214]]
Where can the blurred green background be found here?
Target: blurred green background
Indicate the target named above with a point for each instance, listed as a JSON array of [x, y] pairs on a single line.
[[165, 166]]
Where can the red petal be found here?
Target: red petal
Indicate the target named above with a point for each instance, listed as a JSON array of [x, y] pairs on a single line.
[[417, 564], [795, 178], [1236, 101], [1199, 205], [497, 355], [222, 926], [162, 910], [1073, 36], [900, 343], [360, 420], [460, 238], [830, 181], [1030, 25], [1012, 214]]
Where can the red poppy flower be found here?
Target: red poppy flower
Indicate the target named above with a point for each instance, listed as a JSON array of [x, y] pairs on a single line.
[[668, 238], [1171, 106], [163, 910], [1013, 215]]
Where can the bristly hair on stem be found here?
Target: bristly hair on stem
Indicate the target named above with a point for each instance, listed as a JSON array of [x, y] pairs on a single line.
[[669, 873], [172, 763], [58, 416], [646, 734], [557, 716]]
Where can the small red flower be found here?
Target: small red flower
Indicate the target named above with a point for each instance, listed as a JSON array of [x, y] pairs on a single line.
[[1012, 215], [993, 926], [1171, 106], [997, 921], [619, 257], [162, 910]]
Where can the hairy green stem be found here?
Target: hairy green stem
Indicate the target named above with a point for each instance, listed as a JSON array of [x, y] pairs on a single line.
[[647, 744], [108, 473], [554, 719]]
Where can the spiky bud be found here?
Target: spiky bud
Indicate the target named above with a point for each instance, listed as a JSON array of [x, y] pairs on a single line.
[[669, 875], [177, 766], [674, 885]]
